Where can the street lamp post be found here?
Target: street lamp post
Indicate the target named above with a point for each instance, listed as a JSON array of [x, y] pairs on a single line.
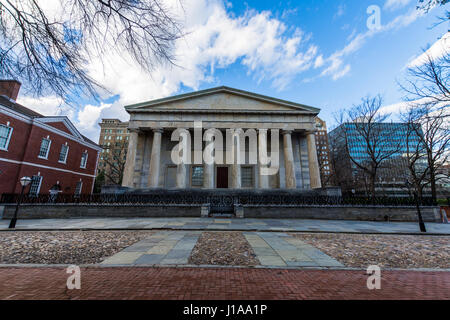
[[416, 200], [24, 181]]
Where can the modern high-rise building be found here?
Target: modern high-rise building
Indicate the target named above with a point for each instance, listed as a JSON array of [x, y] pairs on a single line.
[[390, 144], [114, 141]]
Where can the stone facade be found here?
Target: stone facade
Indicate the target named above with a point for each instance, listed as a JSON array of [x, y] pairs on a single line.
[[362, 213], [114, 142], [152, 124]]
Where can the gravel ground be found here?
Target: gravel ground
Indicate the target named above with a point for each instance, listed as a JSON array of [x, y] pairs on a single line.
[[65, 247], [223, 248], [389, 251]]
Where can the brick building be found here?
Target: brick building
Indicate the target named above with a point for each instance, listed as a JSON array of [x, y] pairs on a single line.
[[114, 141], [50, 150], [323, 152]]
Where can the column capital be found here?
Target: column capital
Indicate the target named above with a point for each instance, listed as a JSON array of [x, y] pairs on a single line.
[[134, 130], [158, 130], [262, 130], [287, 131]]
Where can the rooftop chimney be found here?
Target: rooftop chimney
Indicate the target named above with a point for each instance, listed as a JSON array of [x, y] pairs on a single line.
[[10, 88]]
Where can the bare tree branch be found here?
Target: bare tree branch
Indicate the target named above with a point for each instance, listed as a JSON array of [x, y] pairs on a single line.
[[49, 51]]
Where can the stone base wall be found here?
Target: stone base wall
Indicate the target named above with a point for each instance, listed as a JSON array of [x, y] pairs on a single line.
[[367, 213], [430, 214], [98, 211]]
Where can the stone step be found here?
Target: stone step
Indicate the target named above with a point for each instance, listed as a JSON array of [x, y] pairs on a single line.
[[221, 215]]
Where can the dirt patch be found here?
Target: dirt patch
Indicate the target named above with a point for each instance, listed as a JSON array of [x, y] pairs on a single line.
[[223, 248], [391, 251], [64, 247]]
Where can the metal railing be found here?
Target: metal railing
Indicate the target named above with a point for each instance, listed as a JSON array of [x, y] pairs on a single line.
[[213, 199]]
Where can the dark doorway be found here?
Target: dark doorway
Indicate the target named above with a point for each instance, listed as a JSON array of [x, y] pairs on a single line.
[[222, 177]]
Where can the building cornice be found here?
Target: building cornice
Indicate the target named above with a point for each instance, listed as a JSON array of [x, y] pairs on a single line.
[[222, 111], [223, 89]]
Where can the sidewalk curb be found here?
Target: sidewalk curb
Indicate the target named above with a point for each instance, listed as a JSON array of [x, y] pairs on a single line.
[[229, 230], [189, 266]]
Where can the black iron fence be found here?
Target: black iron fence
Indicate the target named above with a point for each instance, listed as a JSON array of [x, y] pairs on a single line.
[[213, 199]]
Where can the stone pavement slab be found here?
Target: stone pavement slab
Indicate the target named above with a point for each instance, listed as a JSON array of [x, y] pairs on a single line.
[[285, 225], [161, 248], [279, 249]]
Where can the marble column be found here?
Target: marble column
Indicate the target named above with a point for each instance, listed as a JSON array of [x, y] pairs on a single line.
[[130, 163], [155, 159], [181, 175], [236, 167], [314, 171], [262, 145], [208, 171], [289, 160]]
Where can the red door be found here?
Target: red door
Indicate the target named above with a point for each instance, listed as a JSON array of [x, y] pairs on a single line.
[[222, 177]]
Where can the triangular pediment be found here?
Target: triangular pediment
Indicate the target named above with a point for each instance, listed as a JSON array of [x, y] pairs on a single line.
[[221, 99], [61, 123]]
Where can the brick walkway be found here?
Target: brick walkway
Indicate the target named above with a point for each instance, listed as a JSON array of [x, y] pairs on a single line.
[[219, 283]]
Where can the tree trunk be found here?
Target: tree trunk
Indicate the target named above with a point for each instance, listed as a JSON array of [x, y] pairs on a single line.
[[372, 186], [433, 185]]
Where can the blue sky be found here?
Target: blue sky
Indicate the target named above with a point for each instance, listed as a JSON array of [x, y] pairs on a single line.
[[319, 53]]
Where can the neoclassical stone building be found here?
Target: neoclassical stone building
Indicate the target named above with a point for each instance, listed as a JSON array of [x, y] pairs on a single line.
[[149, 163]]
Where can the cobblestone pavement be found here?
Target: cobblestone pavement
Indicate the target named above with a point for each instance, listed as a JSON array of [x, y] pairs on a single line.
[[272, 249], [219, 283], [282, 225], [386, 251], [65, 247]]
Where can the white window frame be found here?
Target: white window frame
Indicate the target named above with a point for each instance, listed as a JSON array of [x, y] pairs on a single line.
[[79, 191], [67, 152], [39, 186], [81, 161], [48, 149], [9, 137]]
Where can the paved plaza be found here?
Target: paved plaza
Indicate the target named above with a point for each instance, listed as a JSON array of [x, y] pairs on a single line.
[[278, 225], [272, 249]]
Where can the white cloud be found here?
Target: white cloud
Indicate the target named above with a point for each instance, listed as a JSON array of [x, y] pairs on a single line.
[[436, 51], [340, 11], [264, 45], [87, 119], [395, 109], [395, 4], [319, 62], [214, 39], [47, 106], [336, 68]]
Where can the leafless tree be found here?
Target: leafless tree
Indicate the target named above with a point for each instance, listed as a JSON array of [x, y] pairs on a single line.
[[428, 90], [431, 125], [115, 159], [367, 140], [427, 5], [429, 80], [48, 48]]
